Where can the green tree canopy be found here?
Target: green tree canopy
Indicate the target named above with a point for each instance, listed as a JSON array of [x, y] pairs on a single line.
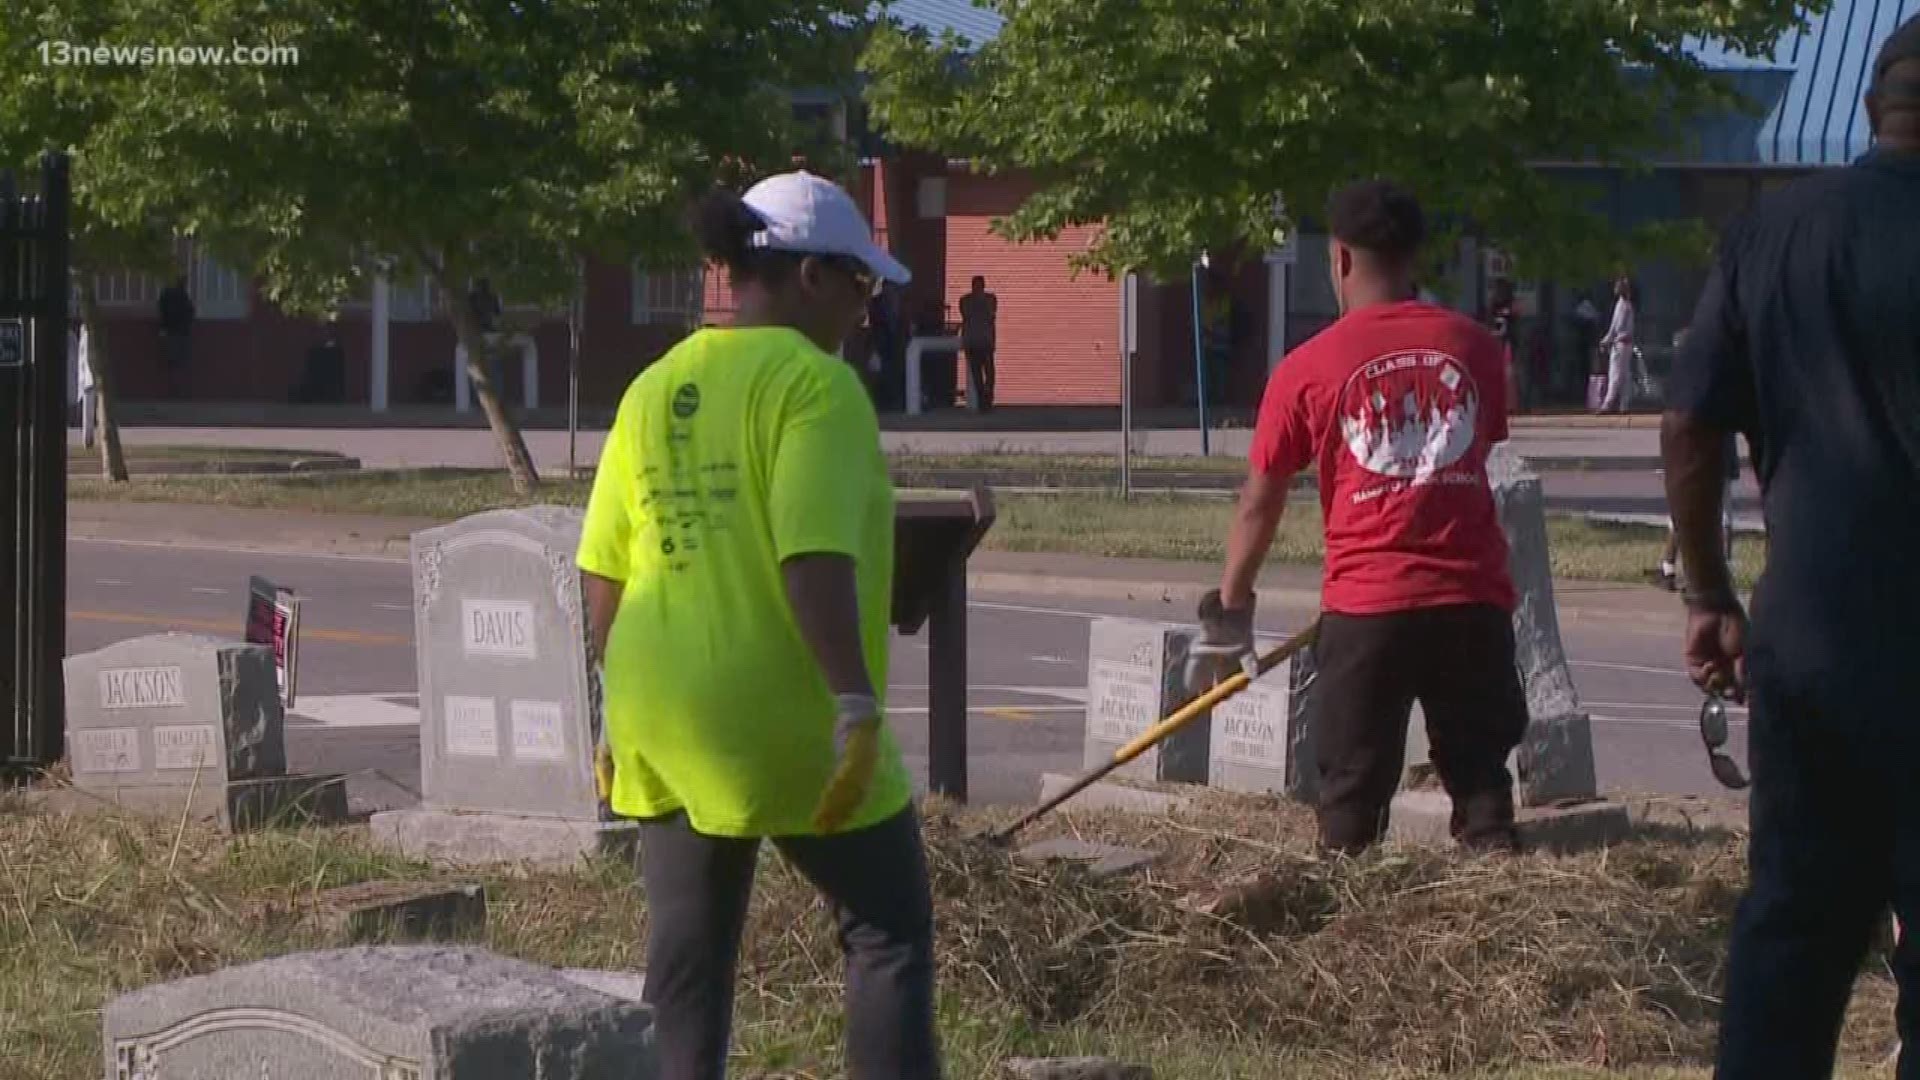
[[1177, 123], [460, 138]]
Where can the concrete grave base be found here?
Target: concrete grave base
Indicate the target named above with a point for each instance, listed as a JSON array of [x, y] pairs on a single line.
[[1423, 817], [237, 806], [409, 910], [1112, 795], [462, 839], [1101, 860], [395, 1013]]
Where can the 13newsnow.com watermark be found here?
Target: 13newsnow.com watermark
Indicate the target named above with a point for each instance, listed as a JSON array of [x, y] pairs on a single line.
[[68, 54]]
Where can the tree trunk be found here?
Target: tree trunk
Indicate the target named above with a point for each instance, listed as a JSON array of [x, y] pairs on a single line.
[[113, 460], [513, 445]]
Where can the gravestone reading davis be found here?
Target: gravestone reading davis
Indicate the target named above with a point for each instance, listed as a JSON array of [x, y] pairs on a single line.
[[391, 1013], [1136, 675], [509, 713], [155, 723]]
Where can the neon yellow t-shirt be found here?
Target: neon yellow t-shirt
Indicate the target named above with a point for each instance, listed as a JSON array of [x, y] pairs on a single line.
[[739, 449]]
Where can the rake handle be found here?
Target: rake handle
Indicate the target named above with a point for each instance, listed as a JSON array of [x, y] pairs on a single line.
[[1179, 718]]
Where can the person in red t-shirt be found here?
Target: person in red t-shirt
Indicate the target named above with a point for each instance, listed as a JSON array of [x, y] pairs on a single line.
[[1397, 405]]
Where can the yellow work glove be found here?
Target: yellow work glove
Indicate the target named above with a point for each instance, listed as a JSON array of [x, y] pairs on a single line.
[[603, 771], [856, 737]]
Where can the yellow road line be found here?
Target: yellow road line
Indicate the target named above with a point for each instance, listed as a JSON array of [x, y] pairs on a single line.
[[1003, 713], [233, 628]]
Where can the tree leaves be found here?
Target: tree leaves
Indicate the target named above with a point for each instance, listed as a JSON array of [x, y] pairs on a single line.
[[1176, 122]]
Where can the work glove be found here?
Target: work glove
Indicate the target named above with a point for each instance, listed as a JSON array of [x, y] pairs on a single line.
[[1225, 644], [603, 771], [856, 746]]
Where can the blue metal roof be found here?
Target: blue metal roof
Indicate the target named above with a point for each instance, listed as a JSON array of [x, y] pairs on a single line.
[[976, 24], [1806, 92]]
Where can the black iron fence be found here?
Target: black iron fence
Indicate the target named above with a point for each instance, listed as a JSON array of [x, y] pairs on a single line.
[[33, 468]]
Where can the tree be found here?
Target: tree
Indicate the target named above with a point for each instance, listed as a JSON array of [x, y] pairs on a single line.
[[49, 105], [466, 139], [1177, 123]]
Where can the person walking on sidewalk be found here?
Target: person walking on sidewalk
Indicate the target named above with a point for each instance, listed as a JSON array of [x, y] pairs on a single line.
[[979, 337], [1807, 340], [1397, 404], [738, 559], [1618, 346]]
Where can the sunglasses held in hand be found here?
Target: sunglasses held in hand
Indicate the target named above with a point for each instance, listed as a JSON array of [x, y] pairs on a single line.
[[1713, 732]]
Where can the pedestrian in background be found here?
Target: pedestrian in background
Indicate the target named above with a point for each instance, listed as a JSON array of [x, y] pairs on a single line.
[[175, 310], [1807, 340], [1397, 404], [979, 338], [738, 560], [1618, 347]]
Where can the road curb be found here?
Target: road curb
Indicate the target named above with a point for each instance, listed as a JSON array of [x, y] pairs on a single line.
[[1188, 594]]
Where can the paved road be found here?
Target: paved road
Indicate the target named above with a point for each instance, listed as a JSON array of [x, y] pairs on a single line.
[[1027, 669]]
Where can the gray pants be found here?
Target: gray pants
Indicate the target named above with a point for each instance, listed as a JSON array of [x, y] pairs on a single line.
[[876, 880]]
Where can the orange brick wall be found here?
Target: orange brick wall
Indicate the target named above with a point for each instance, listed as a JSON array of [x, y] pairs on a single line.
[[1059, 333]]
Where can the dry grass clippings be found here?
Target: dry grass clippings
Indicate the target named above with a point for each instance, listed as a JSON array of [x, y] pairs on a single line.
[[1237, 947]]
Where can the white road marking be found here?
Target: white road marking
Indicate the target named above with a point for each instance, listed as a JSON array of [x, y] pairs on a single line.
[[1654, 721], [356, 711], [108, 581], [395, 607], [205, 591], [1050, 660], [1638, 669], [222, 549]]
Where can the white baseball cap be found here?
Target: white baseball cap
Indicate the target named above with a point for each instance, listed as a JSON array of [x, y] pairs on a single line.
[[811, 215]]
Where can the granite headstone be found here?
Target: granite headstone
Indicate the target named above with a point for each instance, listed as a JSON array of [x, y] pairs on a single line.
[[509, 705], [1136, 675], [1260, 741], [162, 721], [392, 1013], [1554, 763]]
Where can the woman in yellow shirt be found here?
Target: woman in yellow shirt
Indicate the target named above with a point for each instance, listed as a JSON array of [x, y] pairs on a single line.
[[738, 560]]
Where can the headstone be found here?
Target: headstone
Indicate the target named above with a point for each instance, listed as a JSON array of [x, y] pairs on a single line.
[[1136, 676], [156, 723], [1555, 761], [393, 1013], [508, 703], [1260, 741]]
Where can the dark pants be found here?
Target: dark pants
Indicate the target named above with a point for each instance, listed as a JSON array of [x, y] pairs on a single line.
[[980, 366], [1458, 663], [876, 879], [176, 352], [1835, 808]]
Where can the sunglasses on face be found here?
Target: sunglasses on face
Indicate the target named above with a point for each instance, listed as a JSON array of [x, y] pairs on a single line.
[[1713, 733], [864, 279]]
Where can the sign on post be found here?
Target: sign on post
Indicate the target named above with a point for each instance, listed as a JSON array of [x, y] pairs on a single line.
[[13, 343], [273, 619]]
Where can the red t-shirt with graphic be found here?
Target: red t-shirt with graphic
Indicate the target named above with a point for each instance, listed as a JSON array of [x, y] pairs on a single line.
[[1399, 405]]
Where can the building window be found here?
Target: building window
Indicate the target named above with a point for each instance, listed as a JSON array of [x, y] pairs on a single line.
[[127, 289], [411, 299], [667, 297], [931, 198], [218, 291]]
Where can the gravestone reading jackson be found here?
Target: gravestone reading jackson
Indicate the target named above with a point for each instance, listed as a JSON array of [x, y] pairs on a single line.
[[508, 703], [157, 722], [1136, 675], [389, 1013], [1260, 741]]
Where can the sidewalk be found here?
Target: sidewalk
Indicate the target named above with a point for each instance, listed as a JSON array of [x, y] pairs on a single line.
[[1560, 445], [1059, 577]]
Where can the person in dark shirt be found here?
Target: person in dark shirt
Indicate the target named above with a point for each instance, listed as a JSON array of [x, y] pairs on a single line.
[[1807, 341], [176, 328]]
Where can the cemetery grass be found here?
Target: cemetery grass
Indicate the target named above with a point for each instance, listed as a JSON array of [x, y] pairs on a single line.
[[1402, 963], [1173, 527]]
